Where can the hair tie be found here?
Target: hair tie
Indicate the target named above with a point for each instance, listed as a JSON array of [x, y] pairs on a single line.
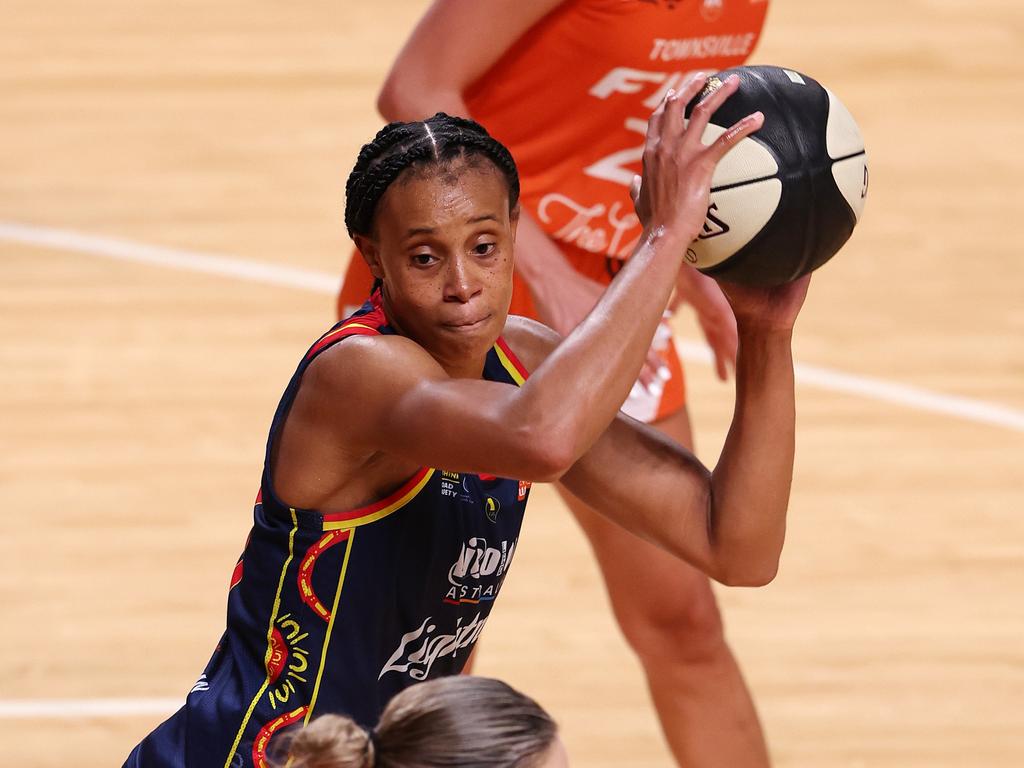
[[372, 746]]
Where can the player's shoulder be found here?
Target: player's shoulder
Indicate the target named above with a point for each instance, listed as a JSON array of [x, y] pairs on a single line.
[[357, 361], [530, 340]]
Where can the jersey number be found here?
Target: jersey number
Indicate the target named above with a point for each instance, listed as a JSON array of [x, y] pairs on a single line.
[[618, 166]]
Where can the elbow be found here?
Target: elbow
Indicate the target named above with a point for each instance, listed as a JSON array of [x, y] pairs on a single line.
[[548, 458], [549, 463], [398, 102], [389, 101]]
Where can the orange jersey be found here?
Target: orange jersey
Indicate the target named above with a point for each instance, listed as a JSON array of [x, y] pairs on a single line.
[[571, 99]]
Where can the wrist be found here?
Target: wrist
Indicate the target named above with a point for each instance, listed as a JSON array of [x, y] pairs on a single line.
[[666, 238], [756, 332]]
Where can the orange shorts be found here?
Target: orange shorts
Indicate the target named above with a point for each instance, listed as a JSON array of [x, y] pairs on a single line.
[[647, 406]]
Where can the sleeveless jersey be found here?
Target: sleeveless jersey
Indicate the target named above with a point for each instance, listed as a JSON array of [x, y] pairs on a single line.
[[338, 611], [572, 96]]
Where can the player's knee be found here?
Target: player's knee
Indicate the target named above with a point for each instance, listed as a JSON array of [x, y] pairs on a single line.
[[683, 627]]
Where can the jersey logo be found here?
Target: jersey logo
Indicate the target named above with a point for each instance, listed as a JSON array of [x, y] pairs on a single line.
[[713, 226], [478, 572], [453, 486], [524, 489], [201, 685], [491, 508], [419, 649]]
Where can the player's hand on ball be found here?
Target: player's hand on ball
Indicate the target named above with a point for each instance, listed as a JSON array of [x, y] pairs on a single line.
[[767, 309], [677, 166]]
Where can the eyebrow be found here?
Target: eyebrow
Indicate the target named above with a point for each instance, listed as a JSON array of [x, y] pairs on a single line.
[[430, 230]]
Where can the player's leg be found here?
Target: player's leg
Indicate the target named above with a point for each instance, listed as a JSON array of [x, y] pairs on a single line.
[[670, 618]]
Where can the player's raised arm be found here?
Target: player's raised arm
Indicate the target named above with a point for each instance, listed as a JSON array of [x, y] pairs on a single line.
[[440, 243], [729, 522]]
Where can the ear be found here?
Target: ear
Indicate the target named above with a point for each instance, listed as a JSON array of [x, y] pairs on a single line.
[[371, 254]]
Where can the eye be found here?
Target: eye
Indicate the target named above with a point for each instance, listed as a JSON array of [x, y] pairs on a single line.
[[484, 249], [423, 259]]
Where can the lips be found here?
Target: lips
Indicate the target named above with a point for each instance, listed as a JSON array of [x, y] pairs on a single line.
[[466, 325]]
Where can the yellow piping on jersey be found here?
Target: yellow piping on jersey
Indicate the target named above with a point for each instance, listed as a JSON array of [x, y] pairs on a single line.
[[270, 633], [509, 366], [373, 517], [330, 626]]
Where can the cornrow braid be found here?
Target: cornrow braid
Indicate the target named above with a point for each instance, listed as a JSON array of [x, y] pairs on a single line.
[[438, 140]]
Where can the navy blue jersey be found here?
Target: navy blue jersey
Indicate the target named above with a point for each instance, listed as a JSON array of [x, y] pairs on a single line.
[[338, 611]]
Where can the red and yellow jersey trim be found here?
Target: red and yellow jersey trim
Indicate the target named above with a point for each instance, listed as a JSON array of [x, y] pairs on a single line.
[[270, 642], [366, 324], [262, 740], [363, 325], [305, 578], [390, 504], [351, 537], [510, 362]]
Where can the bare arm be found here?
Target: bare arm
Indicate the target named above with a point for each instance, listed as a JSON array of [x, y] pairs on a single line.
[[408, 406], [454, 43], [730, 523], [387, 395]]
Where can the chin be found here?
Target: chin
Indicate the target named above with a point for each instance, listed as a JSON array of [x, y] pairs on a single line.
[[470, 340]]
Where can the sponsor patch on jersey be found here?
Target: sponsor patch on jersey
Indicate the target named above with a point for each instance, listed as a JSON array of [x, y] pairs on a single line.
[[420, 649]]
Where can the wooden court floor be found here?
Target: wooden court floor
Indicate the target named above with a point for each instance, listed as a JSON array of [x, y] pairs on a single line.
[[136, 397]]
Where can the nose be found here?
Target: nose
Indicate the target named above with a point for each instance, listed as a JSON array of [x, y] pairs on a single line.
[[461, 283]]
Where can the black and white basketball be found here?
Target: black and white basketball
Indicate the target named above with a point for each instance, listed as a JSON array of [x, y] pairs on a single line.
[[785, 199]]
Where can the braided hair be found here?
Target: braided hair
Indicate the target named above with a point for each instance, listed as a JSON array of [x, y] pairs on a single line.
[[439, 140]]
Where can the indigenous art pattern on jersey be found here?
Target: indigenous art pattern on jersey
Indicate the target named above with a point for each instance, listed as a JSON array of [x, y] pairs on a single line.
[[338, 611]]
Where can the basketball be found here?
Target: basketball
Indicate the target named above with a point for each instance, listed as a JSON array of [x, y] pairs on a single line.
[[786, 199]]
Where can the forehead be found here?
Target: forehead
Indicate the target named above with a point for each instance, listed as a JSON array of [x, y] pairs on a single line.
[[435, 195]]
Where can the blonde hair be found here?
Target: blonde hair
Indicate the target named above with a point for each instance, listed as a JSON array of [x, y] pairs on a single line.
[[331, 741], [454, 722]]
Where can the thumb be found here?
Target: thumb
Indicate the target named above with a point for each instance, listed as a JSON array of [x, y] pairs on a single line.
[[634, 189], [721, 366]]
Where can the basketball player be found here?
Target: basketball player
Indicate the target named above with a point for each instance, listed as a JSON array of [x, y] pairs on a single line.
[[567, 86], [385, 522], [451, 722]]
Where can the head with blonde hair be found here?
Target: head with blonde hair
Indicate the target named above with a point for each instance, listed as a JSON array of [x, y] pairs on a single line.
[[455, 722]]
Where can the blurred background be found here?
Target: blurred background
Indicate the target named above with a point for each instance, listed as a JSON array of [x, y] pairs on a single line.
[[171, 191]]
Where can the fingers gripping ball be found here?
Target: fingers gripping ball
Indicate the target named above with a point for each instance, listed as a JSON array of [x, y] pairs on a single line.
[[786, 199]]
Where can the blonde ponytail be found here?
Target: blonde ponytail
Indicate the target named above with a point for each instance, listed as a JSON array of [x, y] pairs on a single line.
[[331, 741]]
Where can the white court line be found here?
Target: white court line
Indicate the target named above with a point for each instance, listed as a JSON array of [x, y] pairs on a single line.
[[33, 709], [173, 258], [915, 398]]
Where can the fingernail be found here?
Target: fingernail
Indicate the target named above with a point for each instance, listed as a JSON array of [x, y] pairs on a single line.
[[656, 388], [664, 373]]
